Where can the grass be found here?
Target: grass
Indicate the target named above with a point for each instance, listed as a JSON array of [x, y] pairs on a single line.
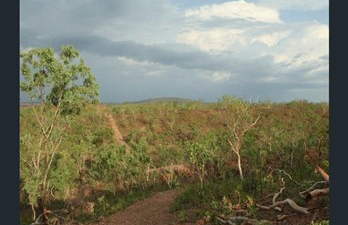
[[214, 197]]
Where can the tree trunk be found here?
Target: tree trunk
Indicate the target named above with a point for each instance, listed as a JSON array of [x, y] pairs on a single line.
[[42, 202], [42, 209], [240, 167]]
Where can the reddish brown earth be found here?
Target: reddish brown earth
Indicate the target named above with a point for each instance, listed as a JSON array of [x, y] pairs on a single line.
[[151, 211]]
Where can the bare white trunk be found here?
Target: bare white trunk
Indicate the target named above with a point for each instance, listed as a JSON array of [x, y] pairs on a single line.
[[240, 167]]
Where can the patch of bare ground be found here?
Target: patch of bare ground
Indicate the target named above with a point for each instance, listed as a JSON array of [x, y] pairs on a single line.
[[154, 210]]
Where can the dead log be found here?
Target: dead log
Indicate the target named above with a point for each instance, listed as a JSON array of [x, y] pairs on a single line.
[[316, 193], [303, 193], [288, 201]]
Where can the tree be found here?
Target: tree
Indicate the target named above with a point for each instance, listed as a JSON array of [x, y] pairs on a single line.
[[201, 153], [58, 89], [240, 119]]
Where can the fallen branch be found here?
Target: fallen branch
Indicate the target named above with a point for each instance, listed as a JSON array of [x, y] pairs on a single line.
[[317, 192], [53, 212], [288, 201], [275, 197], [302, 193], [232, 220], [283, 171]]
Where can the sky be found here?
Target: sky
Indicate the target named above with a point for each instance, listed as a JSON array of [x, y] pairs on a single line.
[[199, 49]]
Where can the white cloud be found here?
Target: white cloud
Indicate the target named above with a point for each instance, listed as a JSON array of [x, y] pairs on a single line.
[[146, 68], [218, 39], [297, 51], [222, 39], [236, 10], [271, 39], [155, 73], [133, 62], [308, 5], [220, 76], [305, 47]]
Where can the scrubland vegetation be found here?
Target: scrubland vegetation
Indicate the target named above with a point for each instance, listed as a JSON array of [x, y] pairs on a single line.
[[232, 161], [192, 146]]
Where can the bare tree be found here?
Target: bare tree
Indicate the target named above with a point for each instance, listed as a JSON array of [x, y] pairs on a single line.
[[240, 119]]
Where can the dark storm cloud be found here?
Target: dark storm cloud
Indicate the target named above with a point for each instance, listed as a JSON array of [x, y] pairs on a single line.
[[158, 54], [255, 68], [140, 52], [70, 12], [84, 17]]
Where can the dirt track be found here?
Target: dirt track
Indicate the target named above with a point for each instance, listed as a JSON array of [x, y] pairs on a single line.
[[117, 134], [151, 211]]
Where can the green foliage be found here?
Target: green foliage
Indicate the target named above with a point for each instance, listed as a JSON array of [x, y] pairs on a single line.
[[213, 190], [220, 197], [202, 153], [58, 81], [289, 137], [63, 175], [108, 166], [240, 119], [62, 88], [101, 136], [181, 216]]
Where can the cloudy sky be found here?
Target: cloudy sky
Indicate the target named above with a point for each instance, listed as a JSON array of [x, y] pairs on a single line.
[[198, 49]]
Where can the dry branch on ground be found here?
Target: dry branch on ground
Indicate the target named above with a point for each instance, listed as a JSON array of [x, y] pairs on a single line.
[[232, 220]]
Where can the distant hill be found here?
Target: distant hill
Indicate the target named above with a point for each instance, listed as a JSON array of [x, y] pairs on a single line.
[[163, 100], [151, 100]]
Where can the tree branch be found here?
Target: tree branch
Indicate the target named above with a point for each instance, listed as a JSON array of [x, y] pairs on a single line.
[[310, 189], [275, 197], [288, 201], [317, 192], [323, 173]]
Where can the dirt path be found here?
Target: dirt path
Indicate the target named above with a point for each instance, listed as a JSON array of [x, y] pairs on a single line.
[[151, 211], [117, 134], [154, 210]]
